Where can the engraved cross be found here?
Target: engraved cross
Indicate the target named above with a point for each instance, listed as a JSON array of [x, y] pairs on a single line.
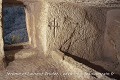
[[54, 25]]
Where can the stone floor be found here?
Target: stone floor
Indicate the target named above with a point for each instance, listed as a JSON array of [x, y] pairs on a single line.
[[48, 69]]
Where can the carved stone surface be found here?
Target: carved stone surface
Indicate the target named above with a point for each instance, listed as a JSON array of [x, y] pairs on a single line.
[[83, 34], [1, 39], [68, 30], [80, 32], [112, 34], [42, 68]]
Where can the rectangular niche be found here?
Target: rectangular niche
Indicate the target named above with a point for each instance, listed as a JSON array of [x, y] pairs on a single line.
[[14, 25], [112, 34]]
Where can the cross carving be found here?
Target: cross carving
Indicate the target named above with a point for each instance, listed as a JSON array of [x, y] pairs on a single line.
[[54, 25]]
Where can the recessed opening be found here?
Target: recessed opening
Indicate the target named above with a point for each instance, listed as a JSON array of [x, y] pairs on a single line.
[[14, 25], [112, 35]]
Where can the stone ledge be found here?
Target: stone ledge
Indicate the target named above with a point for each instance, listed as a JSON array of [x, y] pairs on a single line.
[[25, 54], [58, 56], [22, 54]]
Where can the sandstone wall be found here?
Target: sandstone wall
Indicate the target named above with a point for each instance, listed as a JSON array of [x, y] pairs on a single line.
[[1, 38], [85, 30], [111, 38], [76, 29]]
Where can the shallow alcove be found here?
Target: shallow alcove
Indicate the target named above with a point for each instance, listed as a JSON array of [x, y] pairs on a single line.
[[112, 35]]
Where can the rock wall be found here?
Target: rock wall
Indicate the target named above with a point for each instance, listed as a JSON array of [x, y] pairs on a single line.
[[1, 39], [85, 31], [112, 44], [76, 29]]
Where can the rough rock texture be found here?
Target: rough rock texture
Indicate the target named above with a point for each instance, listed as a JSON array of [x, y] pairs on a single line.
[[112, 32], [81, 31], [75, 29], [1, 39], [51, 69], [111, 38], [89, 1]]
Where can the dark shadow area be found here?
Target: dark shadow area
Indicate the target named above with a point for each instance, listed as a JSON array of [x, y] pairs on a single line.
[[7, 48], [9, 57], [93, 66], [12, 2]]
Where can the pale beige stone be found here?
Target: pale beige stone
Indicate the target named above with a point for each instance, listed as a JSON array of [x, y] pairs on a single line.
[[77, 30], [63, 29], [21, 54], [57, 55], [1, 39]]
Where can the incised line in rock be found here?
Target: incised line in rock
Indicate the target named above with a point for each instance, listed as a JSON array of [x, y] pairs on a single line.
[[55, 25]]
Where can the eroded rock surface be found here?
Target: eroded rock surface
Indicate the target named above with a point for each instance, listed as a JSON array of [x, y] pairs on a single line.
[[47, 68], [83, 31], [75, 29]]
